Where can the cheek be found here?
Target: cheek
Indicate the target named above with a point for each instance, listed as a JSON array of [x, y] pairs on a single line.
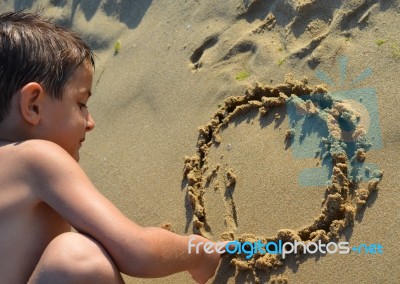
[[74, 119]]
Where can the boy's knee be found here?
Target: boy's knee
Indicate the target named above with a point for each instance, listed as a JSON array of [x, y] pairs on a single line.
[[79, 251], [79, 258]]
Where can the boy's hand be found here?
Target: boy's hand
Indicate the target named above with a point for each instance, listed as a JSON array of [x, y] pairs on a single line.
[[208, 263]]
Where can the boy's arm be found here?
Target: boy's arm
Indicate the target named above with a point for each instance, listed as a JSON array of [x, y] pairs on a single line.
[[137, 251]]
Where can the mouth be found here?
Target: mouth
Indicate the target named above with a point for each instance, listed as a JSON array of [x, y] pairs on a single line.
[[81, 141]]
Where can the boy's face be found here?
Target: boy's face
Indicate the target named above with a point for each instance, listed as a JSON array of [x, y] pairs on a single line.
[[66, 121]]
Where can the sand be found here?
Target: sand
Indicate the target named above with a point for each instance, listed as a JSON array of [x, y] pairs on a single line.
[[268, 142]]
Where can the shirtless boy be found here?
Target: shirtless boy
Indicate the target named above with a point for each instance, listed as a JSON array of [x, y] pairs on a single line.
[[45, 82]]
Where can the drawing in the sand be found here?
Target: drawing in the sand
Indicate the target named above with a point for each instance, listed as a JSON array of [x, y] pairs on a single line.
[[339, 127], [349, 116]]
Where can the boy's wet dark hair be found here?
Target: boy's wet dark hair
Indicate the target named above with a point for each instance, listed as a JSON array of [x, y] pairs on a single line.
[[33, 49]]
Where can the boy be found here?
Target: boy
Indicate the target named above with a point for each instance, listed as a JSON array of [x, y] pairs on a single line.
[[45, 82]]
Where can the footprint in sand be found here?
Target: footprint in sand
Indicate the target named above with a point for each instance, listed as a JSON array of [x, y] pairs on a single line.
[[296, 28]]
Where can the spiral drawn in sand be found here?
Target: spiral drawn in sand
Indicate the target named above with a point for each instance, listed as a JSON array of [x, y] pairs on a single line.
[[344, 196]]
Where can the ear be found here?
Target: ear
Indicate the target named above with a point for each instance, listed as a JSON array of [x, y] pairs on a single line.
[[31, 102]]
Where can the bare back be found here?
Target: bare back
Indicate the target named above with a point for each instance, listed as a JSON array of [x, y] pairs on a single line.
[[27, 225]]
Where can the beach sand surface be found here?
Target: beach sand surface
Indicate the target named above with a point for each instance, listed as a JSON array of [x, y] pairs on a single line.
[[164, 68]]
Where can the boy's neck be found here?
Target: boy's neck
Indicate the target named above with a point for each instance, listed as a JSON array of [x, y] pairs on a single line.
[[11, 134]]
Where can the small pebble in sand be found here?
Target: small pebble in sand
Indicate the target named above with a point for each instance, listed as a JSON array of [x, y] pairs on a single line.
[[229, 146]]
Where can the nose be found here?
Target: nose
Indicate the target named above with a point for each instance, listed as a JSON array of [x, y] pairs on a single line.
[[89, 123]]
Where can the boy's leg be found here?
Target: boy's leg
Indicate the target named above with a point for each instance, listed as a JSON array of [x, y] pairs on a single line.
[[75, 258]]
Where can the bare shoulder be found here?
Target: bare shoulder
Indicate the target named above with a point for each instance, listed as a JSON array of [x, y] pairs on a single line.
[[41, 157], [42, 165], [38, 151], [22, 160], [56, 179], [31, 150]]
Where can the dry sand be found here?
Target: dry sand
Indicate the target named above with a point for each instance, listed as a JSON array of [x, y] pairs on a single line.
[[177, 64]]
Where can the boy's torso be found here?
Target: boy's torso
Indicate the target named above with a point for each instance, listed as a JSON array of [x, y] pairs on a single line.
[[27, 225]]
